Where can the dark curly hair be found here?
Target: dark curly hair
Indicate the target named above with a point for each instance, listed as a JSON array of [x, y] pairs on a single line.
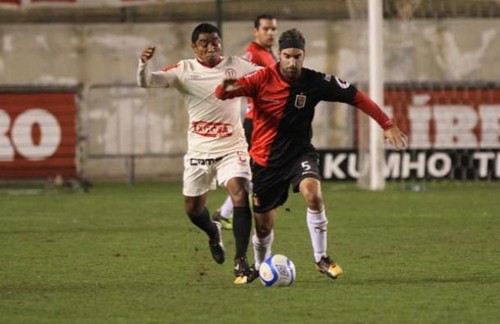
[[203, 28]]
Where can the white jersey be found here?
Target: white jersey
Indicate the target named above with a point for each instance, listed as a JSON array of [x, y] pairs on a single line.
[[215, 127]]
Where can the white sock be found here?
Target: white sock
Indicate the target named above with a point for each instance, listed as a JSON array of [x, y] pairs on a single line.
[[317, 224], [262, 248], [226, 209]]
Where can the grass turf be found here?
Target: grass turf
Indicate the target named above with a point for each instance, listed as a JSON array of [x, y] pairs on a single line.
[[128, 254]]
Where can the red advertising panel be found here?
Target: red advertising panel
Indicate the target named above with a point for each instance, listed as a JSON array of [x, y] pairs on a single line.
[[455, 117], [453, 130], [37, 135]]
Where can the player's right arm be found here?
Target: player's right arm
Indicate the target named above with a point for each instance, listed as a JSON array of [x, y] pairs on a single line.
[[157, 79], [231, 88], [243, 87]]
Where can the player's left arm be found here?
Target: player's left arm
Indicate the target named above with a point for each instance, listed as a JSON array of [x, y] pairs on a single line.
[[392, 133], [339, 90], [232, 87]]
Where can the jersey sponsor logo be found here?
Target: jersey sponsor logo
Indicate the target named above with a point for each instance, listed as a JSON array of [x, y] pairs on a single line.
[[211, 129], [194, 161], [343, 84], [231, 73], [300, 101]]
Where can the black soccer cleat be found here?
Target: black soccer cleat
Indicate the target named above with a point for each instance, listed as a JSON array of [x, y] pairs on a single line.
[[216, 246], [243, 273], [241, 270], [252, 274]]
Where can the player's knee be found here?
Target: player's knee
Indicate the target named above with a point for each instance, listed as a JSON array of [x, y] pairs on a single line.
[[193, 207], [263, 231], [314, 202], [239, 196], [263, 227]]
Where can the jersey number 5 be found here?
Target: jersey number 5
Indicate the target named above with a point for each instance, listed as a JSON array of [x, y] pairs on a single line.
[[305, 166]]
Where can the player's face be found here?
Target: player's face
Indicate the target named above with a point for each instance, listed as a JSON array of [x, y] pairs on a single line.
[[208, 48], [266, 33], [291, 60]]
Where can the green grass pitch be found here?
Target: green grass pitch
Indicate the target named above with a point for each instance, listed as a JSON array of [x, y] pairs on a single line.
[[128, 254]]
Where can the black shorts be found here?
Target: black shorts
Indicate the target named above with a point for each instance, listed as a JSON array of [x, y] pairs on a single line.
[[248, 127], [270, 185]]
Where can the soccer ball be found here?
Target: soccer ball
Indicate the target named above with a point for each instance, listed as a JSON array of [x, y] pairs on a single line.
[[277, 271]]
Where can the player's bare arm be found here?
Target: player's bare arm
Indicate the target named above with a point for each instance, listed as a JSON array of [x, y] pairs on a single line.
[[147, 53], [396, 138]]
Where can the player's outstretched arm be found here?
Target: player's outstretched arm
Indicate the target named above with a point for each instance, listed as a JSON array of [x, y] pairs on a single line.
[[229, 84], [145, 78], [229, 88], [396, 138], [143, 74]]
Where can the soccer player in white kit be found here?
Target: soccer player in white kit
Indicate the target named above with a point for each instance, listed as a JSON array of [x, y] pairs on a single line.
[[217, 150]]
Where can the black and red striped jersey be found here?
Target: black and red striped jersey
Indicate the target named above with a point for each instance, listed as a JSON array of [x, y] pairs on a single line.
[[282, 124]]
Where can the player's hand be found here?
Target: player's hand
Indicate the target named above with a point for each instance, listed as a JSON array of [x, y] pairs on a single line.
[[229, 84], [147, 53], [396, 138]]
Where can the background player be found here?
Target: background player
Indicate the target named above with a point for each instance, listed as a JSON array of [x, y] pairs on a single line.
[[285, 96], [217, 149], [260, 52]]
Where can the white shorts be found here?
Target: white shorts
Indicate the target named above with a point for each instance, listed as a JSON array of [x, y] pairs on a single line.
[[202, 174]]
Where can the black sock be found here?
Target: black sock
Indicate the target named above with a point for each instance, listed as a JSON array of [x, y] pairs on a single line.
[[204, 222], [242, 225]]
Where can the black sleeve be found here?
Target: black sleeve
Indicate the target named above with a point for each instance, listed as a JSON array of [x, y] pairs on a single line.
[[332, 88]]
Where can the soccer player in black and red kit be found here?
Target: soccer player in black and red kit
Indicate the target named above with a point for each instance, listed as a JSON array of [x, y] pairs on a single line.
[[260, 52], [285, 96]]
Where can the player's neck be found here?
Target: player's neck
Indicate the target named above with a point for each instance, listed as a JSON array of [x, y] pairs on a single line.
[[208, 64]]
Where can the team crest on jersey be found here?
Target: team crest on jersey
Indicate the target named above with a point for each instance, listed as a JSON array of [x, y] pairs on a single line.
[[300, 101], [231, 73]]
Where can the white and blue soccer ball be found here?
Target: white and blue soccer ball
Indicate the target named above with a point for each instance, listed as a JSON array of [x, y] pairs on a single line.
[[277, 271]]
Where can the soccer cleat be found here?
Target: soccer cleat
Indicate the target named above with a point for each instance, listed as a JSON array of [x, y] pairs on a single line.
[[329, 267], [227, 223], [252, 274], [241, 271], [216, 246]]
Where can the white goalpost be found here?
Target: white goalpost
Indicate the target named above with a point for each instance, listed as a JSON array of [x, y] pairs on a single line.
[[371, 147], [376, 180]]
